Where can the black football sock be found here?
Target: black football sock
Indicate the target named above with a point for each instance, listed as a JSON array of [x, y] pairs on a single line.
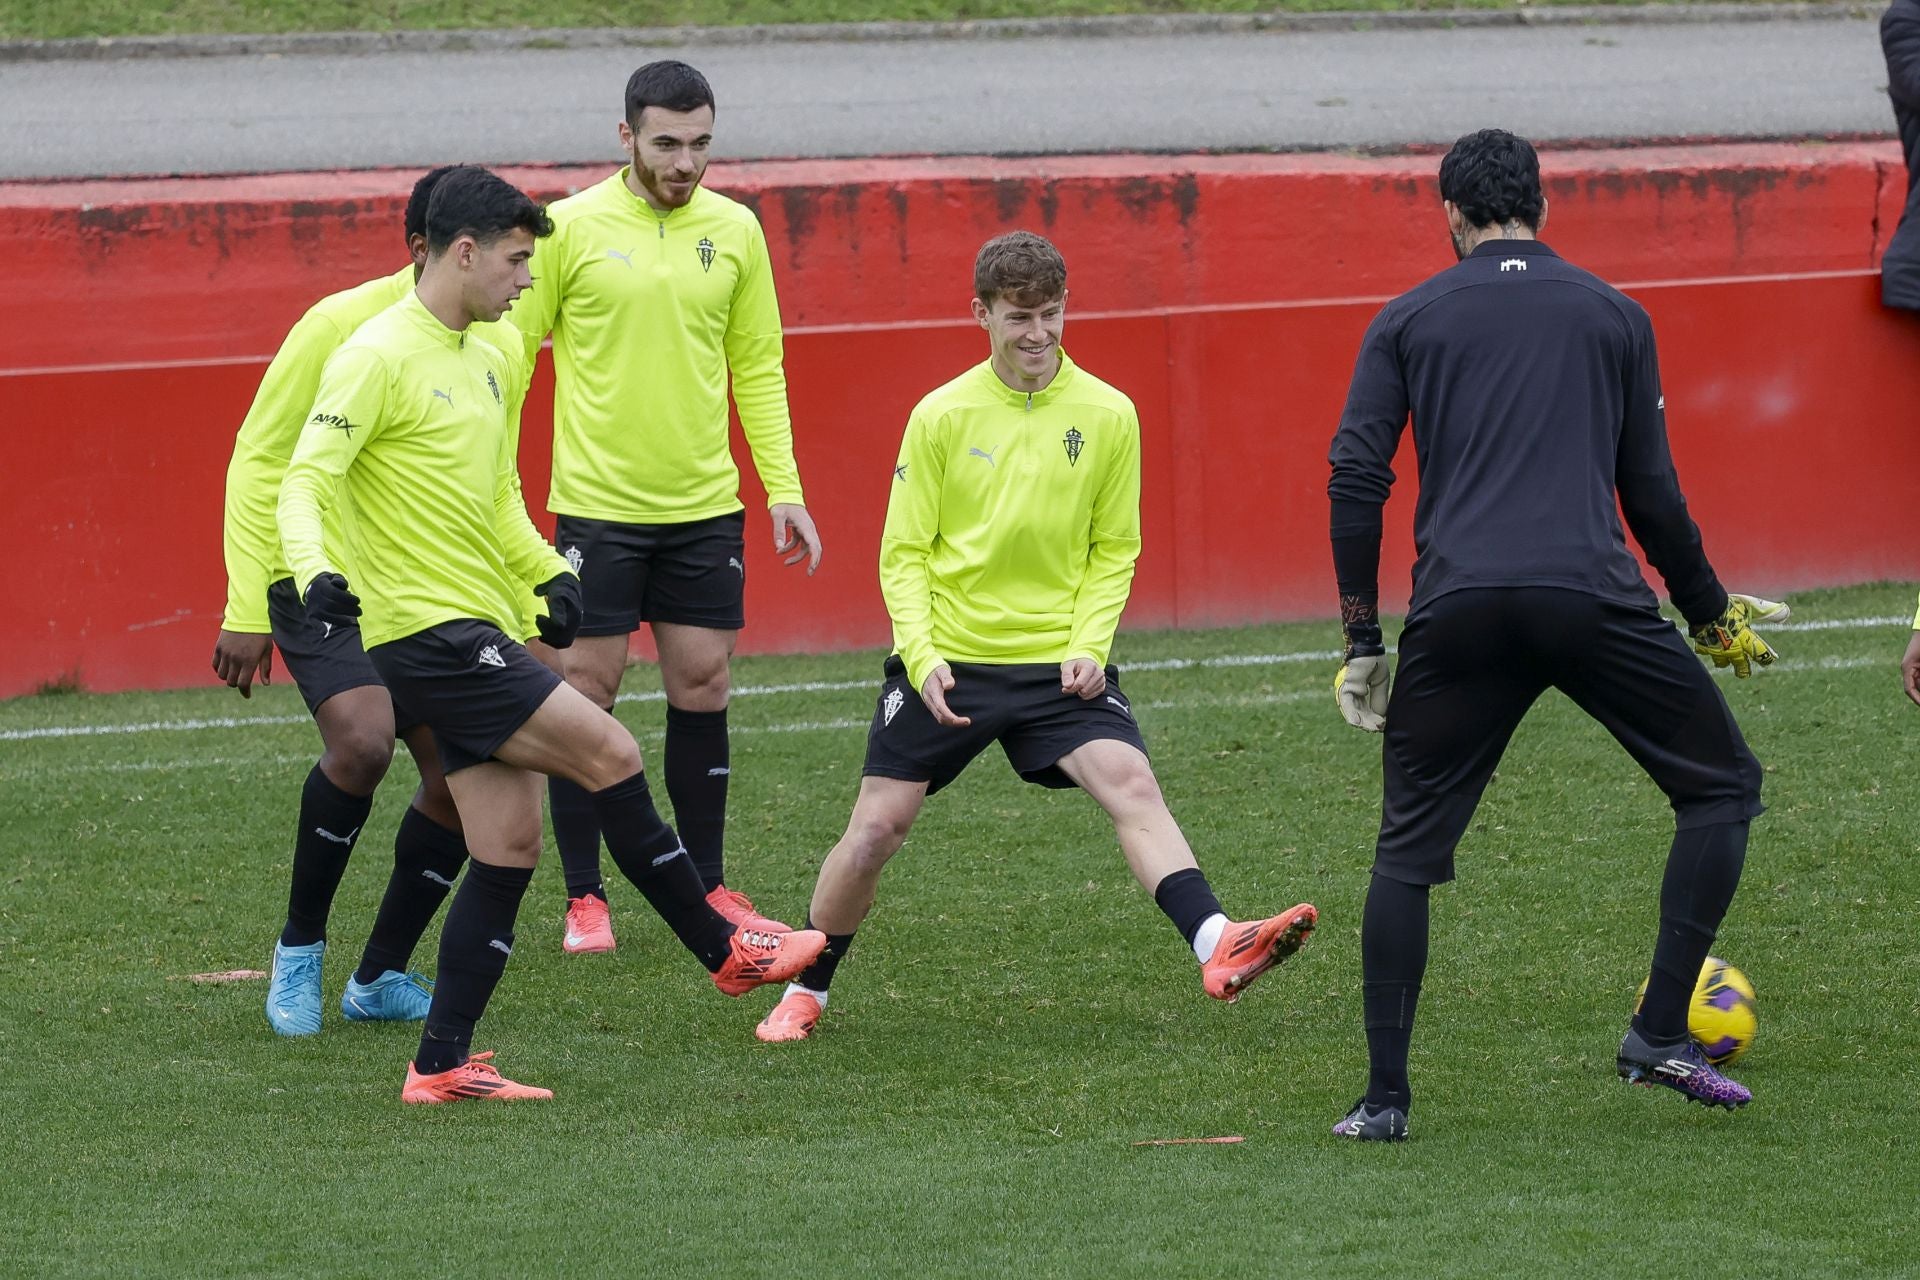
[[697, 768], [330, 821], [648, 853], [1188, 900], [1703, 870], [818, 975], [576, 830], [426, 861], [1393, 960], [474, 946]]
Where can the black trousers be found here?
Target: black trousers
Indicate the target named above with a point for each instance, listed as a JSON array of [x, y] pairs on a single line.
[[1473, 661]]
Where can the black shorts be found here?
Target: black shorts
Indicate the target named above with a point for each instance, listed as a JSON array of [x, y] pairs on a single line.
[[1018, 705], [323, 659], [1472, 662], [694, 574], [468, 682]]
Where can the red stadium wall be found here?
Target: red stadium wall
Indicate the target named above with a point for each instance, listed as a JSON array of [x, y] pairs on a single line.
[[1225, 294]]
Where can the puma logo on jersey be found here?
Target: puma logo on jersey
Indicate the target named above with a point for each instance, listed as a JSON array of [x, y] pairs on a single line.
[[891, 704], [626, 257], [491, 656], [733, 562], [982, 453], [446, 395]]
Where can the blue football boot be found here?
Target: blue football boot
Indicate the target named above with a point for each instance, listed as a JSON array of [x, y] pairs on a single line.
[[392, 997], [293, 997]]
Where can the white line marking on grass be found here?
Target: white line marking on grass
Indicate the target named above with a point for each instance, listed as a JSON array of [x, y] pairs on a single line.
[[1840, 624], [151, 726], [1227, 660]]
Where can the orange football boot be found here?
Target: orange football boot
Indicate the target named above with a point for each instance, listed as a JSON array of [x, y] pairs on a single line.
[[475, 1078], [738, 910], [1245, 951], [757, 956], [792, 1019], [589, 926]]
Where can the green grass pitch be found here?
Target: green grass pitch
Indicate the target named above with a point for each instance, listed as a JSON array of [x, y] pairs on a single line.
[[1015, 1017]]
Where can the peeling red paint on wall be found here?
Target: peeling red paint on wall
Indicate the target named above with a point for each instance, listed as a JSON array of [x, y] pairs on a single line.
[[1226, 294]]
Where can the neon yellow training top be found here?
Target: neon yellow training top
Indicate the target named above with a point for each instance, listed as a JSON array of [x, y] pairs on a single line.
[[649, 313], [415, 425], [1014, 523], [266, 440], [272, 427]]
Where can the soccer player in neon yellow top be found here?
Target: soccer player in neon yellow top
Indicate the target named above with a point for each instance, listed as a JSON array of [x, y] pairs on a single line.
[[356, 716], [413, 425], [658, 292], [1009, 548]]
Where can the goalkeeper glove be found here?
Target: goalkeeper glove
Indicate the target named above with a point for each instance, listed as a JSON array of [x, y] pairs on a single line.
[[329, 601], [1361, 689], [1729, 639], [561, 622]]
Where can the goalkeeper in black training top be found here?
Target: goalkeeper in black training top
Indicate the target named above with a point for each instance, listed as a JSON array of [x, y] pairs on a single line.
[[1534, 392]]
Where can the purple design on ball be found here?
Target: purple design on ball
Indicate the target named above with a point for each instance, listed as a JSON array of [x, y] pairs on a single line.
[[1720, 1048], [1725, 998]]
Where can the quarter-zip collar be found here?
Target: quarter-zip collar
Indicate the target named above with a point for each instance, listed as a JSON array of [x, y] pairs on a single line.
[[427, 322], [1031, 400], [645, 210]]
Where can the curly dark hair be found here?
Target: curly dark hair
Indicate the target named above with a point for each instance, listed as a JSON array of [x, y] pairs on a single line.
[[1020, 266], [1494, 178]]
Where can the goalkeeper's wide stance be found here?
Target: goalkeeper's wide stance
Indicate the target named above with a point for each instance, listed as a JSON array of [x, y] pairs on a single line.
[[1534, 392]]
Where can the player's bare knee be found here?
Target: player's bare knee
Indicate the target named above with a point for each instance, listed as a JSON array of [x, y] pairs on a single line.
[[876, 836], [613, 759], [357, 758], [433, 799], [1132, 788]]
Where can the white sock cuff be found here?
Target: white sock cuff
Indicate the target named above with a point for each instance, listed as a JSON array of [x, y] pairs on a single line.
[[1209, 936], [794, 988]]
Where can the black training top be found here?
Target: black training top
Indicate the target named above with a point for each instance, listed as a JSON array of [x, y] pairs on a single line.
[[1534, 391]]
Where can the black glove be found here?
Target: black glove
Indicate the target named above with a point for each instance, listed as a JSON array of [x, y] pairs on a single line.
[[561, 622], [329, 601]]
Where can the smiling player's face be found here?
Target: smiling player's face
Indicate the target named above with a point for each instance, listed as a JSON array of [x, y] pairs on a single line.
[[1025, 334]]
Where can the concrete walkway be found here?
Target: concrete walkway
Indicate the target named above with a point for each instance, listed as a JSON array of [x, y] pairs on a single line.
[[1157, 88]]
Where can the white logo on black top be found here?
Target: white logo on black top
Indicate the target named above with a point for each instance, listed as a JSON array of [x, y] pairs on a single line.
[[733, 562], [574, 559], [1513, 264], [1124, 708], [491, 656], [890, 705]]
